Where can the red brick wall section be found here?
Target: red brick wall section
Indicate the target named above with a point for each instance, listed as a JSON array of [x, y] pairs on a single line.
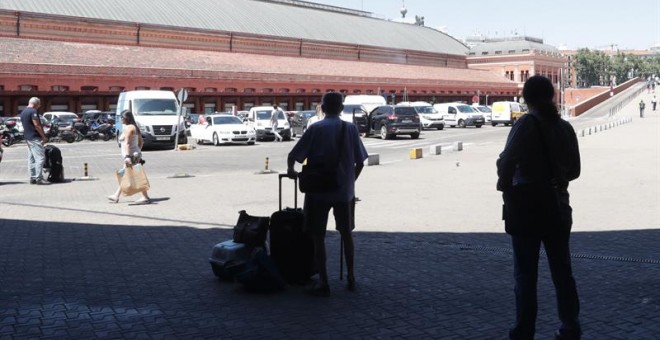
[[589, 104], [573, 97], [77, 31], [7, 25]]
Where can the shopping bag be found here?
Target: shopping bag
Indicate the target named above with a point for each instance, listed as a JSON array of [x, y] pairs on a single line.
[[132, 180]]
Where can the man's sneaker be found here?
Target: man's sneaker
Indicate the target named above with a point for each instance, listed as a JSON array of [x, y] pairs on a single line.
[[41, 181], [33, 181]]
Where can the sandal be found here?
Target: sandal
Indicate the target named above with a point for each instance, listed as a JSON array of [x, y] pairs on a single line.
[[113, 199], [143, 201]]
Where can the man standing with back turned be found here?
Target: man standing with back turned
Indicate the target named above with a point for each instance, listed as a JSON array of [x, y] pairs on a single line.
[[35, 139], [317, 145]]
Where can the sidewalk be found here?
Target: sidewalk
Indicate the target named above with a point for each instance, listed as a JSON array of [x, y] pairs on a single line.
[[432, 263]]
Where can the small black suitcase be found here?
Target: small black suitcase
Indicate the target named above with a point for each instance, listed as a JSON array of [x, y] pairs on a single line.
[[291, 248]]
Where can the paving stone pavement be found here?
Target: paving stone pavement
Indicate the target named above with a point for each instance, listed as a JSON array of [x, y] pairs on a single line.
[[81, 269]]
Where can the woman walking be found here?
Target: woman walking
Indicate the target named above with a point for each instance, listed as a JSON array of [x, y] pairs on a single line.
[[131, 151]]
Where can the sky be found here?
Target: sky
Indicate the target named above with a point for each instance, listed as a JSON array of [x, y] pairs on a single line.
[[594, 24]]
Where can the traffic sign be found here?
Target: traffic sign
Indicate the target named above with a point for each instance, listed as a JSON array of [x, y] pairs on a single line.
[[182, 95]]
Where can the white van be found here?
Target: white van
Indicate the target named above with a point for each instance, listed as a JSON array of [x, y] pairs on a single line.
[[429, 117], [156, 114], [259, 118], [459, 114], [358, 107], [506, 113]]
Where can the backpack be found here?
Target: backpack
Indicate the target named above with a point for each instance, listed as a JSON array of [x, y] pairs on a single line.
[[260, 275], [54, 164]]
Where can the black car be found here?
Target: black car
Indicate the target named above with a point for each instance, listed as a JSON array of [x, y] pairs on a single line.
[[389, 121], [298, 121]]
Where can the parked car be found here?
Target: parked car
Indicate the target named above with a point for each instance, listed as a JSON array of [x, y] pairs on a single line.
[[390, 120], [356, 114], [19, 124], [259, 118], [485, 111], [62, 118], [429, 117], [506, 113], [459, 114], [223, 129], [299, 121]]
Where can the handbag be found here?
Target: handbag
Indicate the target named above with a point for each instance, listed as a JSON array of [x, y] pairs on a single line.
[[532, 209], [251, 230], [132, 180], [322, 177]]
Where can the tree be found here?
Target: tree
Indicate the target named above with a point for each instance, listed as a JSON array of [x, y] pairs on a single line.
[[592, 68]]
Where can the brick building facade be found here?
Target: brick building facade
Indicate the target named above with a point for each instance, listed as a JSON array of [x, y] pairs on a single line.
[[76, 64]]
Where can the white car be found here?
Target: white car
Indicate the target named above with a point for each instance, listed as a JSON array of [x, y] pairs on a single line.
[[223, 129], [459, 114], [429, 117], [259, 118], [485, 111]]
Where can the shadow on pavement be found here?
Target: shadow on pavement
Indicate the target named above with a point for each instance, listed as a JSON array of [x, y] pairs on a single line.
[[103, 280]]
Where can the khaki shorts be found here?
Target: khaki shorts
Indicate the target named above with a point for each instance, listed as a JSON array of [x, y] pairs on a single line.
[[316, 215]]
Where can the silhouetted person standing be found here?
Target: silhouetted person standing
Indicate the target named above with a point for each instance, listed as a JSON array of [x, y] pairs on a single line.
[[540, 157], [642, 105], [320, 143]]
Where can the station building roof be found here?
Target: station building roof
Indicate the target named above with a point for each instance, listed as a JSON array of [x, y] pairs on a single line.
[[287, 19], [521, 45], [112, 60]]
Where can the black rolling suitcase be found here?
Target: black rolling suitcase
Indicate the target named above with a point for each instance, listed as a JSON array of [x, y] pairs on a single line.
[[291, 249]]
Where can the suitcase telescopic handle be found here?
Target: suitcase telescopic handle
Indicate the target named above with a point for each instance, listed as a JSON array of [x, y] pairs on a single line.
[[295, 190]]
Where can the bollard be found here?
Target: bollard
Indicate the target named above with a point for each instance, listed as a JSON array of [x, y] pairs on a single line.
[[373, 159], [266, 165], [582, 133], [85, 176], [458, 146], [415, 153], [435, 149]]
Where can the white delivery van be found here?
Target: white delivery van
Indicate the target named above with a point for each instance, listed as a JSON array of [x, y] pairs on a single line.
[[459, 114], [259, 118], [156, 114], [506, 113], [429, 117], [358, 107]]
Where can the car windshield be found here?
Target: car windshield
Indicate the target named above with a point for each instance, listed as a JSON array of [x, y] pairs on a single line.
[[263, 115], [484, 109], [465, 109], [425, 109], [308, 114], [405, 111], [67, 118], [352, 108], [226, 120], [145, 107]]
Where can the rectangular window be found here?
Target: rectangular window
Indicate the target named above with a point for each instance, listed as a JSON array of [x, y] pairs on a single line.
[[62, 107], [284, 106], [247, 106], [300, 106], [498, 52], [228, 106], [86, 107]]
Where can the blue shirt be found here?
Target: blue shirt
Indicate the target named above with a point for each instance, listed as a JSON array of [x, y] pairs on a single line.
[[319, 144], [29, 131]]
